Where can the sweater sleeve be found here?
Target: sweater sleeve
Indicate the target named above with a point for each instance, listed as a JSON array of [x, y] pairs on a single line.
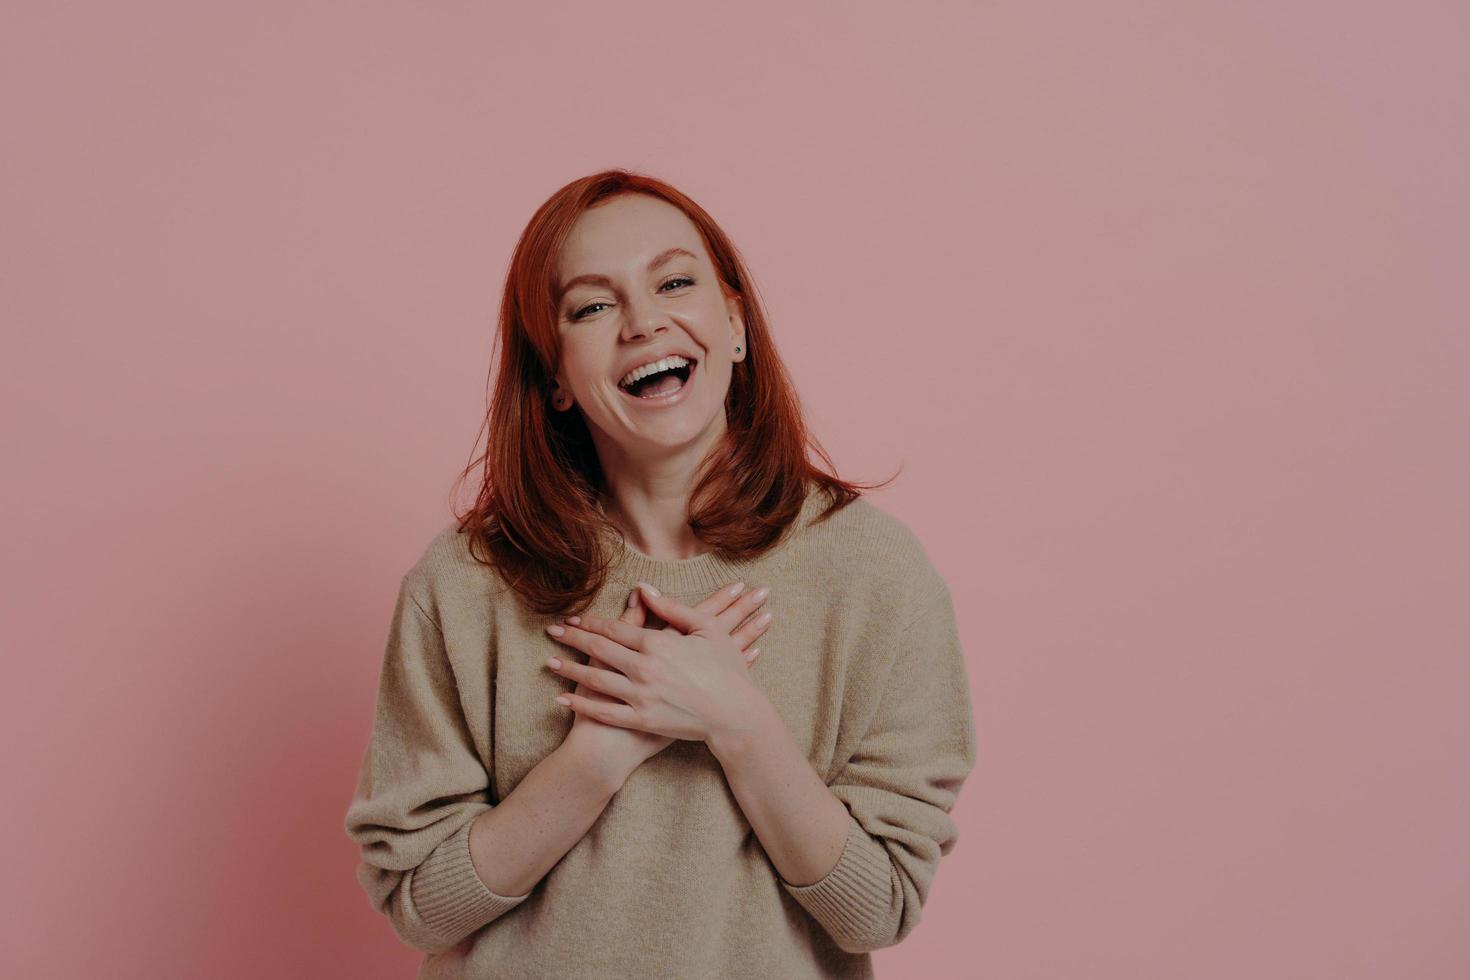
[[420, 786], [899, 786]]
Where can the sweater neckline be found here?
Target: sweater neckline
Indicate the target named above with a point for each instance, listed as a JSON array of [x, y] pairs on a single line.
[[702, 573]]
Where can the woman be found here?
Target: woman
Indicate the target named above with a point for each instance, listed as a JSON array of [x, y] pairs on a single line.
[[629, 791]]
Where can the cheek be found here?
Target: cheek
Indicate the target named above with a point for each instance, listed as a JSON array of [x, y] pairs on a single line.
[[581, 370]]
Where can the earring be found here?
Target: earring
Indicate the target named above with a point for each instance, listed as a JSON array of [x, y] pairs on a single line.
[[737, 348]]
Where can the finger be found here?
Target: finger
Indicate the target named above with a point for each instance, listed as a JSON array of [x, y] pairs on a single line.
[[752, 654], [751, 631], [607, 712], [713, 604], [633, 613], [589, 693], [675, 613], [620, 632], [737, 612], [608, 682], [609, 651], [720, 600], [591, 661]]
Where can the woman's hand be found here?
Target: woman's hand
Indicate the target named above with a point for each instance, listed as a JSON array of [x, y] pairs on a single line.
[[687, 681], [630, 747]]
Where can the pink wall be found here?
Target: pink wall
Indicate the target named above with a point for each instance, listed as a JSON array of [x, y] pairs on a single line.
[[1162, 306]]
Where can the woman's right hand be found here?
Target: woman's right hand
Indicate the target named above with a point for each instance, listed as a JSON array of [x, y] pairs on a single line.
[[626, 749]]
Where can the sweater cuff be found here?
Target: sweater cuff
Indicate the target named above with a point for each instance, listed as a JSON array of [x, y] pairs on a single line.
[[449, 894], [856, 896]]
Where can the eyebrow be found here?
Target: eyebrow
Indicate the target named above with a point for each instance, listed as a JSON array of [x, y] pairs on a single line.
[[597, 280]]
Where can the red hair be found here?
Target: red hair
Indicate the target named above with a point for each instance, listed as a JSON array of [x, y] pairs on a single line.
[[537, 518]]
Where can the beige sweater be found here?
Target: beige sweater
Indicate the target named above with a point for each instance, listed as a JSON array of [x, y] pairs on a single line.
[[863, 663]]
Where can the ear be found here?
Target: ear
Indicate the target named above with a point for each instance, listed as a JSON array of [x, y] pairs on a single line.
[[735, 306], [561, 395]]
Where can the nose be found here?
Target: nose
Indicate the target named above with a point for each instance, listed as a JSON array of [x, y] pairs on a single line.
[[644, 319]]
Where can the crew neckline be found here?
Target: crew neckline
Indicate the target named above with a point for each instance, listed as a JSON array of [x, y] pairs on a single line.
[[702, 573]]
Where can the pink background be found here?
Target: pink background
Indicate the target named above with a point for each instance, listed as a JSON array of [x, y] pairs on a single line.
[[1155, 302]]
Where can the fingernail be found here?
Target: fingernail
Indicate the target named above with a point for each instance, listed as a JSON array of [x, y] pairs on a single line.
[[651, 590], [760, 593], [735, 589], [573, 620], [555, 630], [632, 598]]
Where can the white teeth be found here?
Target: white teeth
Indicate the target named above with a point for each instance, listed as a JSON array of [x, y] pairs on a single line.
[[672, 361]]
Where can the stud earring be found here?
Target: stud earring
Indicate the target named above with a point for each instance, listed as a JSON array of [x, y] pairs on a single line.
[[737, 348]]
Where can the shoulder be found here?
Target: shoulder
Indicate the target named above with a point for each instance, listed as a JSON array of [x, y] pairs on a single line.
[[868, 547], [447, 573]]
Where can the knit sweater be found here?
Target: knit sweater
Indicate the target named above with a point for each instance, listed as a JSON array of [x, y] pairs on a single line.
[[862, 662]]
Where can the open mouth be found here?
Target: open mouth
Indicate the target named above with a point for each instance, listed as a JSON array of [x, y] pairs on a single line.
[[664, 384]]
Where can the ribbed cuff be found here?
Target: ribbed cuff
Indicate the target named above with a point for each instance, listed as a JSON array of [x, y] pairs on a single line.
[[450, 896], [855, 899]]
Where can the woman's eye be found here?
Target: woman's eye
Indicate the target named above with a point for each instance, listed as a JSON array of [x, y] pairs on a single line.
[[587, 310]]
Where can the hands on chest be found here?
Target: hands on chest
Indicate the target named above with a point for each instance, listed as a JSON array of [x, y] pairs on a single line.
[[645, 685]]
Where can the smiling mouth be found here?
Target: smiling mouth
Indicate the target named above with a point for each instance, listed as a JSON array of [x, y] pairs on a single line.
[[661, 385]]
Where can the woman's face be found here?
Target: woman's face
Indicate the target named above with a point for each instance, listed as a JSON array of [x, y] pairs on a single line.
[[637, 284]]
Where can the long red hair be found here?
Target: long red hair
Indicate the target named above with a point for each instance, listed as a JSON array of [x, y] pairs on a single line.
[[536, 518]]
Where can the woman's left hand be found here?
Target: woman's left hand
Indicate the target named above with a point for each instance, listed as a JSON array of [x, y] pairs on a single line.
[[691, 682]]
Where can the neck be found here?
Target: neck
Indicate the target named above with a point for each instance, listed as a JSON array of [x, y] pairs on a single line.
[[647, 498], [654, 519]]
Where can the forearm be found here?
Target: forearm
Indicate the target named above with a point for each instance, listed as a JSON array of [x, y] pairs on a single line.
[[514, 844], [801, 825]]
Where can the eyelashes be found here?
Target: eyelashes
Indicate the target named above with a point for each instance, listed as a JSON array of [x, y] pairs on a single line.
[[676, 281]]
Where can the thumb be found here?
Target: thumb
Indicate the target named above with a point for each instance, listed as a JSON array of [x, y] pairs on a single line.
[[676, 614], [634, 614]]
